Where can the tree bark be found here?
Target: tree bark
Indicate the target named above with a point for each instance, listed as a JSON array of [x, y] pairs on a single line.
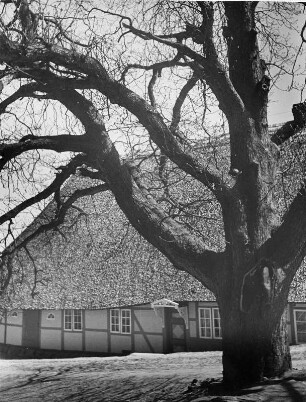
[[252, 348], [278, 358]]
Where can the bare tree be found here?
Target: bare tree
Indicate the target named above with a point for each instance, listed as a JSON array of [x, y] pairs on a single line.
[[69, 77]]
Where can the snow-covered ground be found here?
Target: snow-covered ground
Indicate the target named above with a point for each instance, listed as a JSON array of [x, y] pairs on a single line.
[[138, 377]]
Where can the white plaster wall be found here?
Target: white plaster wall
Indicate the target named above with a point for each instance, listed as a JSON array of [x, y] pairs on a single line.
[[15, 320], [96, 341], [120, 342], [52, 323], [73, 340], [148, 321], [146, 306], [51, 339], [208, 304], [2, 329], [141, 345], [96, 319], [14, 335], [191, 310], [193, 329]]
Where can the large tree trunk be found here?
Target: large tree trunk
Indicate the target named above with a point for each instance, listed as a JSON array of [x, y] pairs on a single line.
[[278, 357], [255, 344]]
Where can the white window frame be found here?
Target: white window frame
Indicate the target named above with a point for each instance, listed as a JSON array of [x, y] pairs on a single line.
[[73, 320], [296, 321], [123, 327], [211, 321], [204, 318], [112, 322], [214, 309]]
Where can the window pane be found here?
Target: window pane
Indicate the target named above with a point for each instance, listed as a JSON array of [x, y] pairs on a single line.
[[217, 323], [301, 326], [301, 337], [77, 320], [300, 315], [205, 313], [205, 332], [68, 319], [115, 324], [126, 321], [205, 322], [218, 333], [300, 318]]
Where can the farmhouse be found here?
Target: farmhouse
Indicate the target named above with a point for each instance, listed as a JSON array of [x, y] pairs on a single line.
[[100, 288], [163, 326]]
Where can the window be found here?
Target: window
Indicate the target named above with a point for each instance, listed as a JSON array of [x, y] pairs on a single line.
[[300, 325], [73, 320], [120, 321], [210, 323], [217, 323], [68, 319], [77, 320], [126, 321], [115, 320], [205, 322]]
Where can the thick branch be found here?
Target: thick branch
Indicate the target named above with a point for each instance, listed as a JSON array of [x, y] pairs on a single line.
[[38, 228], [118, 93], [60, 178], [176, 117], [148, 116], [151, 88], [23, 91], [287, 246], [184, 250], [53, 81], [174, 240], [164, 138], [29, 234], [59, 143], [156, 66], [292, 127], [210, 67], [245, 66]]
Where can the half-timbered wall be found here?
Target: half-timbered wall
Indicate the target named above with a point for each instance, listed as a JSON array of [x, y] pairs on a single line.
[[11, 328], [51, 329], [297, 322], [146, 333], [130, 329]]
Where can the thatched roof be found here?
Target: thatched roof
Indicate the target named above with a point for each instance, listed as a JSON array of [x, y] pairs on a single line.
[[95, 260]]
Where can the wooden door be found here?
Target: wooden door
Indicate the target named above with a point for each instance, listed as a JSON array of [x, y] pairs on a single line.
[[30, 335], [178, 333]]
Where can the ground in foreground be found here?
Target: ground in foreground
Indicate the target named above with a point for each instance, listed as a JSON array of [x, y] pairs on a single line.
[[139, 377]]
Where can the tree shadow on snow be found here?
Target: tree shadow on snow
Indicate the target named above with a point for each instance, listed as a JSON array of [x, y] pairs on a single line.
[[290, 388]]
